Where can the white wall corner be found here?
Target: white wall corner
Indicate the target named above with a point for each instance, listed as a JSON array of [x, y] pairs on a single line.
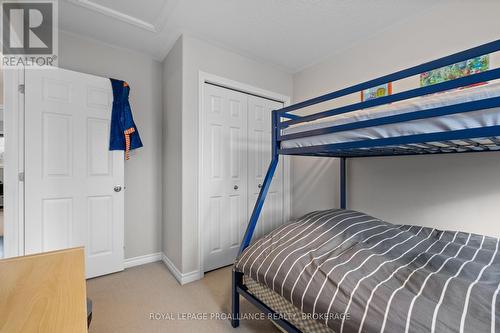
[[142, 260], [182, 278]]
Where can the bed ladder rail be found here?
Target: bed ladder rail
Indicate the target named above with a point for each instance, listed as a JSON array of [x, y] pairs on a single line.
[[247, 238], [258, 205], [237, 277]]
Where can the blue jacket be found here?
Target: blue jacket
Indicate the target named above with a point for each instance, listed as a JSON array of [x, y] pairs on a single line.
[[124, 134]]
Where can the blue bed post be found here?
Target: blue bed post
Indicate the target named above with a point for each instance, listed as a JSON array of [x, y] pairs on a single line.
[[237, 278], [343, 185]]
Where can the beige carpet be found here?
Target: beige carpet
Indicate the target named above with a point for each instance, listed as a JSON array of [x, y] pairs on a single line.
[[123, 302]]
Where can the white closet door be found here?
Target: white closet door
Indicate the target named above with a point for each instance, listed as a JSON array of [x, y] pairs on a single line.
[[224, 210], [70, 174], [259, 157]]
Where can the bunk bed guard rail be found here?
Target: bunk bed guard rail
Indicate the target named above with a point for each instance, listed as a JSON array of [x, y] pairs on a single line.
[[284, 118]]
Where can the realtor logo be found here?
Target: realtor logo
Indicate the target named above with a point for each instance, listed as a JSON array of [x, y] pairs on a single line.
[[29, 33]]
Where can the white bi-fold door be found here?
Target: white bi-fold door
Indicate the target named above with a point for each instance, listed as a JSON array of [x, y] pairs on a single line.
[[259, 156], [73, 183], [236, 146], [224, 211]]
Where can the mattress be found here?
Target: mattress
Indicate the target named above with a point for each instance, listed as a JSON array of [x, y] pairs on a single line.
[[286, 309], [474, 119], [356, 273]]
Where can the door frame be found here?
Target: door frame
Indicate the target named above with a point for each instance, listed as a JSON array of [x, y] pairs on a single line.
[[13, 163], [204, 78]]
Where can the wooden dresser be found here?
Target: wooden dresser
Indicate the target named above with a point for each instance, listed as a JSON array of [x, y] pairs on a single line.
[[43, 293]]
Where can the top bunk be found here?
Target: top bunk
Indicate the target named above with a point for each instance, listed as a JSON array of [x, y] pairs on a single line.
[[458, 115]]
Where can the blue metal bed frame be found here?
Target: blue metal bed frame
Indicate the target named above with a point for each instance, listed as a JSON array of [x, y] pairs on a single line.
[[430, 143]]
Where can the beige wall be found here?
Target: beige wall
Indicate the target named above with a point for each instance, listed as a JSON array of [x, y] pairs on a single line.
[[450, 192], [172, 155], [143, 176]]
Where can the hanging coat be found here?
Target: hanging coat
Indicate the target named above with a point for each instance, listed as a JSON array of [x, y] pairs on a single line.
[[124, 134]]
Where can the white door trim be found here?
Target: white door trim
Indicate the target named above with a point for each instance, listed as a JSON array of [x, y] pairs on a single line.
[[204, 77], [13, 163]]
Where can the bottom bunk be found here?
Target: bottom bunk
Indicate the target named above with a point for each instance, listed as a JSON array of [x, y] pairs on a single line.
[[345, 271]]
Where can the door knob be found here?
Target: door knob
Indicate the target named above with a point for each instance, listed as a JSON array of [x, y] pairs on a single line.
[[236, 187], [259, 186], [118, 188]]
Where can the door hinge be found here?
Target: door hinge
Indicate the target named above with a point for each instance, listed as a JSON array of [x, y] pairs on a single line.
[[21, 88], [21, 176]]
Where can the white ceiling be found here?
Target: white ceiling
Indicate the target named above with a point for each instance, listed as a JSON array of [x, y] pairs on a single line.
[[292, 34]]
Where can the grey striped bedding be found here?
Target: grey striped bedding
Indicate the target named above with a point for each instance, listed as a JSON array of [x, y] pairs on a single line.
[[356, 273]]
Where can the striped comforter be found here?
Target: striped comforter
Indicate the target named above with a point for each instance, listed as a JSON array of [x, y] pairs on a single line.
[[357, 273]]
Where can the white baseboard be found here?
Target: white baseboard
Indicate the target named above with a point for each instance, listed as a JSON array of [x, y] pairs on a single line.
[[182, 278], [142, 260]]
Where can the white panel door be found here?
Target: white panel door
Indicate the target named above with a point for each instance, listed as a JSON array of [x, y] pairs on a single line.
[[224, 209], [70, 175], [259, 157]]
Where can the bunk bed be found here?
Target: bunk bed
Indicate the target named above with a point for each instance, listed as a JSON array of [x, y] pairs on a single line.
[[456, 116]]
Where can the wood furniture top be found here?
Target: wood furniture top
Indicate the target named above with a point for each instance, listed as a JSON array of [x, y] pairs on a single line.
[[44, 293]]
